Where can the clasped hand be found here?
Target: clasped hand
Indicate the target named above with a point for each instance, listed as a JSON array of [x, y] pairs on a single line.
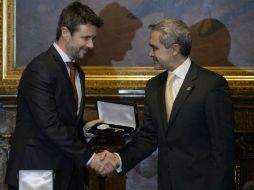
[[104, 163]]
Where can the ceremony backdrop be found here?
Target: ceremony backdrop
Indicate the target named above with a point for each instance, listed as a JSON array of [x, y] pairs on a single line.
[[119, 66], [222, 30]]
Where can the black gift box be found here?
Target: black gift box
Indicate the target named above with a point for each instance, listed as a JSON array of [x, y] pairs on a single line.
[[120, 119]]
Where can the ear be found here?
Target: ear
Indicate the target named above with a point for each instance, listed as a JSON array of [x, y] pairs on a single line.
[[65, 33], [176, 49]]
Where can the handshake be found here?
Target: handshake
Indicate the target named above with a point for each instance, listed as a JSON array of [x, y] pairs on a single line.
[[104, 162]]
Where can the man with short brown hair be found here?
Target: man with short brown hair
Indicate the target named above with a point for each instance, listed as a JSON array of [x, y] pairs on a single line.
[[50, 106]]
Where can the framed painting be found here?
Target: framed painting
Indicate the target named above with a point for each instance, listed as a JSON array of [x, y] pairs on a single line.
[[222, 39]]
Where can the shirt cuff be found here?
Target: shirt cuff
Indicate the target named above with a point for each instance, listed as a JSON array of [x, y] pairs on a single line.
[[119, 169], [90, 160]]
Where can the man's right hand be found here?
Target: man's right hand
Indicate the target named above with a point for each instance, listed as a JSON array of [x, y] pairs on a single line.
[[104, 163]]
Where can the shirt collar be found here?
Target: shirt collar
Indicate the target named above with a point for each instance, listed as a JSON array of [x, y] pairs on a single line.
[[182, 70], [63, 55]]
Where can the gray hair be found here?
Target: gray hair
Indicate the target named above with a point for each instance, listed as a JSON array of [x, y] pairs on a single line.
[[172, 31]]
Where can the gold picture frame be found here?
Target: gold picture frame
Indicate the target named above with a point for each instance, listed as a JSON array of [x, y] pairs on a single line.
[[241, 80]]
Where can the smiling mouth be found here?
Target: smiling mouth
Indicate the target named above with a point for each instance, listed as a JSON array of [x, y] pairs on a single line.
[[156, 63]]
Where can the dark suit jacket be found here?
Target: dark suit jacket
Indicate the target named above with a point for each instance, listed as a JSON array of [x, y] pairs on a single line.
[[48, 131], [196, 148]]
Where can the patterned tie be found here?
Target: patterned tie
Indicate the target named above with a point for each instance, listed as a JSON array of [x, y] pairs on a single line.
[[169, 99], [72, 67]]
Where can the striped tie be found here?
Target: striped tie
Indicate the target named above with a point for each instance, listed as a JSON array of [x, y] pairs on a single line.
[[169, 99]]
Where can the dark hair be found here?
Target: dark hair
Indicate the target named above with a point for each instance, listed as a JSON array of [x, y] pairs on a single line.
[[172, 31], [76, 14]]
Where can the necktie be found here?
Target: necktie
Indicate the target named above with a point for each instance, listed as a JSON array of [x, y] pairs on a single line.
[[72, 67], [169, 99]]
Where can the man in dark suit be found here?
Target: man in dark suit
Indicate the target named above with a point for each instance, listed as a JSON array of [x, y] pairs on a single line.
[[50, 105], [191, 124]]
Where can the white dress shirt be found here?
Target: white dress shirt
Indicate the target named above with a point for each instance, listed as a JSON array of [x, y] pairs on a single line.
[[66, 59], [180, 73]]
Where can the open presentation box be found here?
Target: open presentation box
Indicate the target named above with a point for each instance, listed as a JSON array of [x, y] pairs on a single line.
[[120, 119]]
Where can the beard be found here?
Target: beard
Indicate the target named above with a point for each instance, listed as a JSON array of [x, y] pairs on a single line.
[[81, 53], [78, 53]]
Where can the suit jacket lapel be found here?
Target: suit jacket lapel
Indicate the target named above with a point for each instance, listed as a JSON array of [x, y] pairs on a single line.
[[62, 65], [185, 90], [161, 100], [60, 62], [82, 78]]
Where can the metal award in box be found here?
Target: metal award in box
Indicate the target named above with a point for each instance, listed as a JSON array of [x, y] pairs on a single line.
[[120, 119]]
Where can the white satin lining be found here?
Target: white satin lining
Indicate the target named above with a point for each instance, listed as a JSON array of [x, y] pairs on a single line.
[[35, 180], [117, 114]]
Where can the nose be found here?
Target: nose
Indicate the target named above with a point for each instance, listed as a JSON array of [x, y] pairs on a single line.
[[90, 43]]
